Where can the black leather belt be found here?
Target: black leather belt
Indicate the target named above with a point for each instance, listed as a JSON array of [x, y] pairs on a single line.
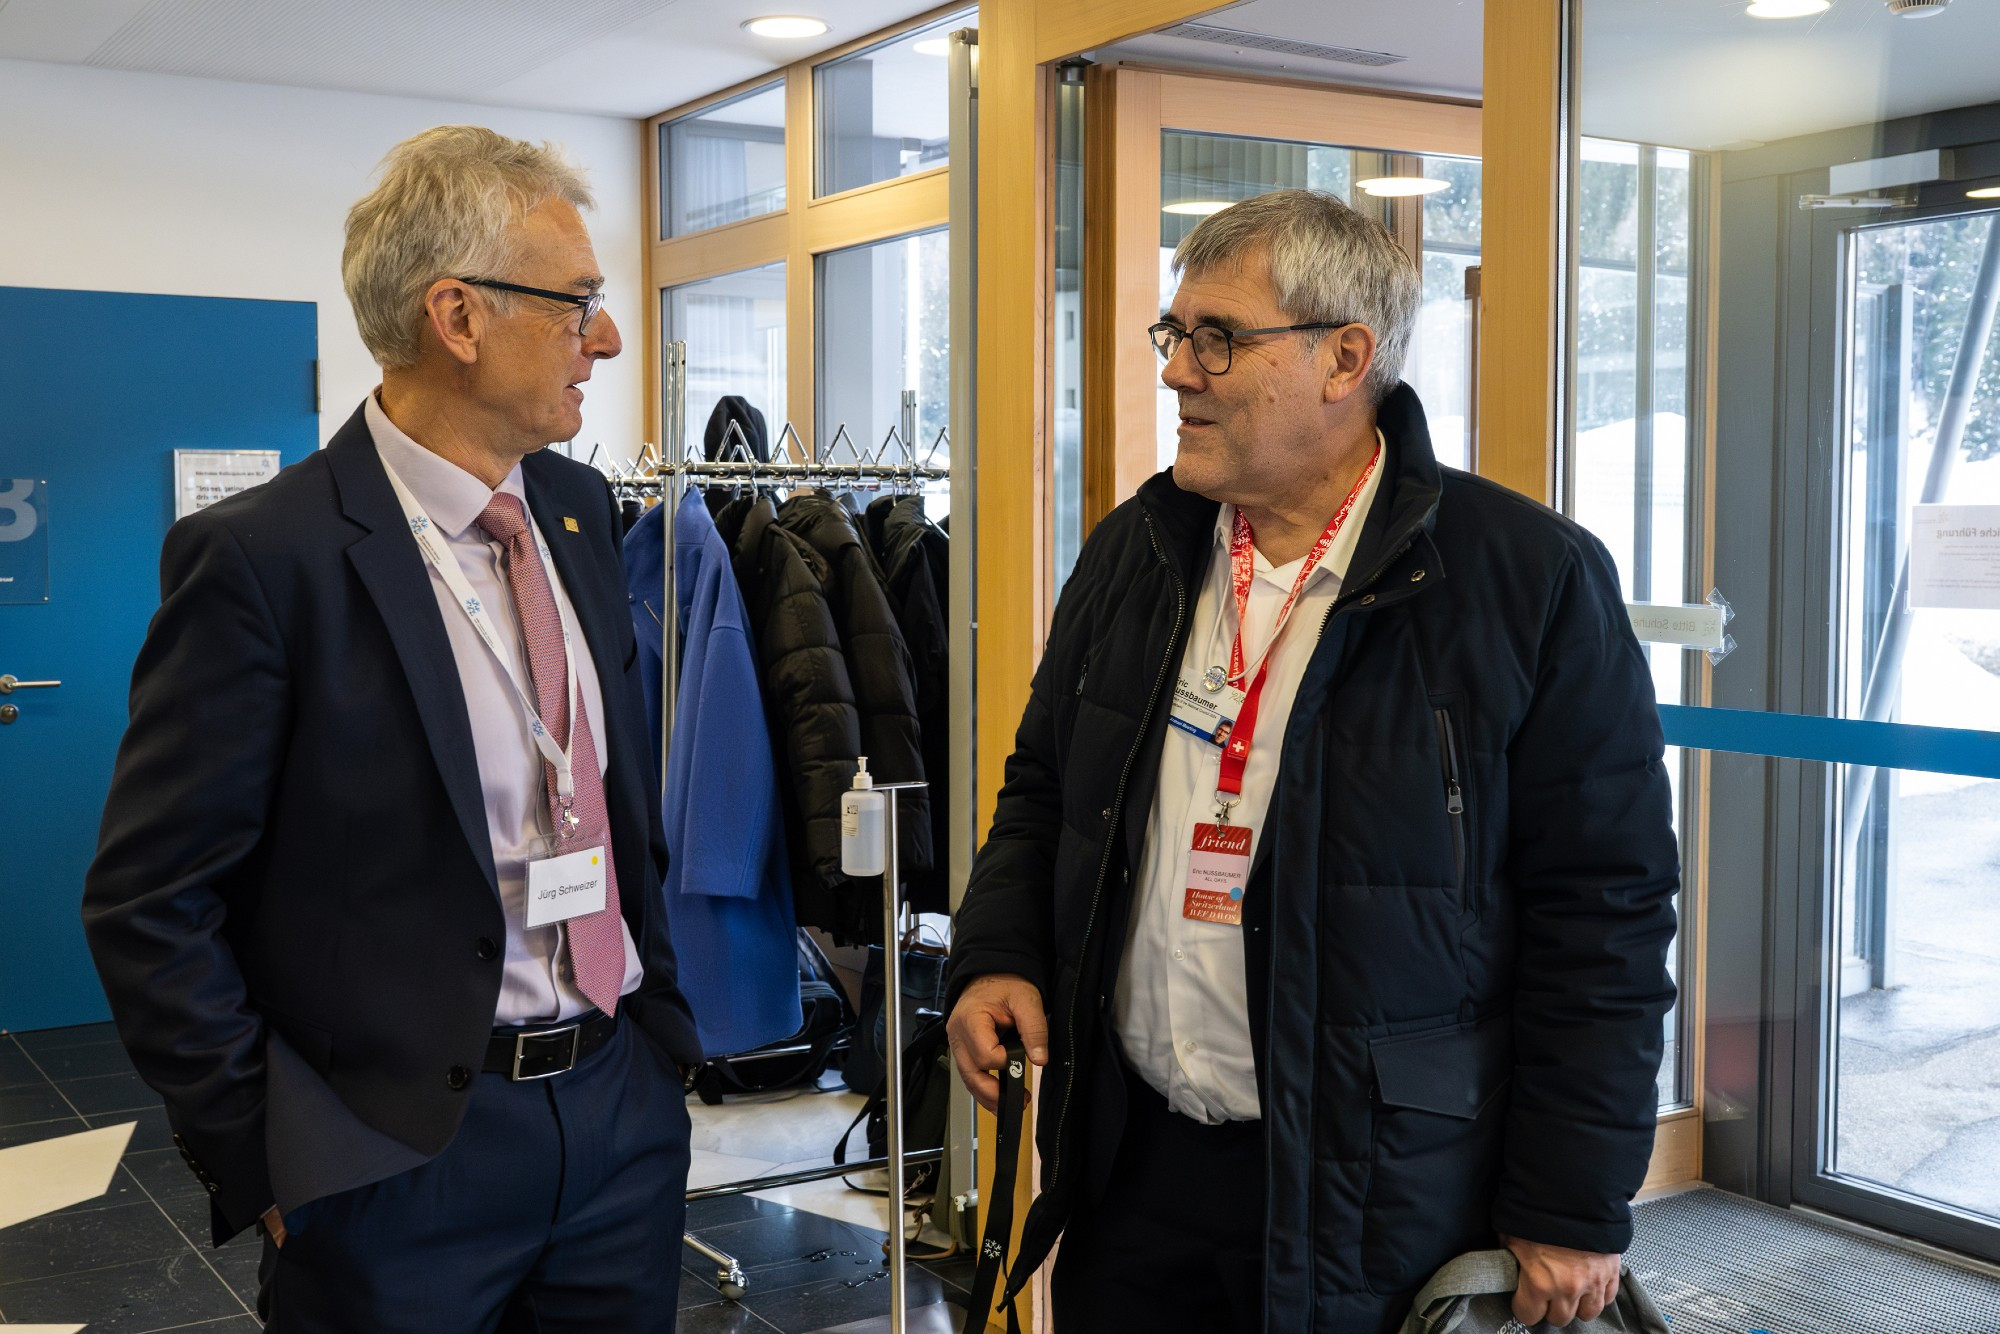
[[537, 1053]]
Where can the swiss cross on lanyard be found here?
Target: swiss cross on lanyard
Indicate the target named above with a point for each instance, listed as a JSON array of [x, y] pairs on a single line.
[[1243, 569]]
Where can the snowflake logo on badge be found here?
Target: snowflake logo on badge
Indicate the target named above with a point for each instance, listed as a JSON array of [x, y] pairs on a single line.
[[472, 605], [420, 524], [539, 729], [991, 1250]]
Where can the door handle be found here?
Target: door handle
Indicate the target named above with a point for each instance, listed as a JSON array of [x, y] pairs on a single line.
[[8, 685]]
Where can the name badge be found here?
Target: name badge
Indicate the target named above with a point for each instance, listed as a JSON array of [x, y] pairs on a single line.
[[560, 888], [1218, 873], [1207, 715]]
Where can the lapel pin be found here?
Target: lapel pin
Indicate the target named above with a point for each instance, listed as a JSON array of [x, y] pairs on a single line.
[[570, 524]]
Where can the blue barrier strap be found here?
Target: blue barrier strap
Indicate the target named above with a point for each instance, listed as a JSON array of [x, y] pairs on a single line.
[[1937, 750]]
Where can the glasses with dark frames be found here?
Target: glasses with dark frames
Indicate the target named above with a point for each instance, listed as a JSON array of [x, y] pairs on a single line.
[[589, 304], [1215, 346]]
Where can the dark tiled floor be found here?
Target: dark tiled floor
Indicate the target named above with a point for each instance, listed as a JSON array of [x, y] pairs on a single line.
[[137, 1258], [124, 1261]]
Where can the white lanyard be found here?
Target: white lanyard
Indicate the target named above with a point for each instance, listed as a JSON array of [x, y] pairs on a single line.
[[439, 553]]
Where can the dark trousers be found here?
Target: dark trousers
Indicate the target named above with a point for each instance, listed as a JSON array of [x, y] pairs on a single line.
[[1177, 1242], [558, 1207]]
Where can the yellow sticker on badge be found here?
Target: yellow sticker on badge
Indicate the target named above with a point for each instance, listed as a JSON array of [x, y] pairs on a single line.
[[570, 524]]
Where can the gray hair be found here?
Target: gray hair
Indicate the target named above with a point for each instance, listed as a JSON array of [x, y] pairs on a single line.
[[446, 207], [1328, 263]]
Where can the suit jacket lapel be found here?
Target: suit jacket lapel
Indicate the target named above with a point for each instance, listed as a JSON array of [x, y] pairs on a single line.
[[393, 571]]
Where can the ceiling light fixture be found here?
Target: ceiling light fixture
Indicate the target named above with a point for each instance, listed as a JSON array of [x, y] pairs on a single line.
[[1787, 9], [933, 46], [785, 25], [1197, 208], [1917, 9], [1400, 187], [1984, 192]]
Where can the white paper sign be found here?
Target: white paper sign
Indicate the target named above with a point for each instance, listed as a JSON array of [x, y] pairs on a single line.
[[1696, 626], [1955, 556], [204, 476]]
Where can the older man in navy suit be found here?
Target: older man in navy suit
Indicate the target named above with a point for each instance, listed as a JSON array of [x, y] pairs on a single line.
[[375, 896]]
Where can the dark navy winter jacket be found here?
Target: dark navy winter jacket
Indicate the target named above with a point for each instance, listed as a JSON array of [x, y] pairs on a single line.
[[1457, 1012]]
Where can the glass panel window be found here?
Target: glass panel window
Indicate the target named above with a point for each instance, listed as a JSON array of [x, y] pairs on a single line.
[[885, 112], [1630, 457], [724, 163], [734, 327], [1439, 363], [884, 328]]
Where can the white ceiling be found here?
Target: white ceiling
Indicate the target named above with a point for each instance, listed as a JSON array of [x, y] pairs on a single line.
[[606, 57], [1443, 40], [1704, 74]]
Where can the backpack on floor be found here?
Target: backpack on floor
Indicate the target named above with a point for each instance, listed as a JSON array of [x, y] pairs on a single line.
[[927, 1080], [826, 1027]]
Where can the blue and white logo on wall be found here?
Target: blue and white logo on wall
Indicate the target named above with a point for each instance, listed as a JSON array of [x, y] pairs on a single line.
[[24, 541]]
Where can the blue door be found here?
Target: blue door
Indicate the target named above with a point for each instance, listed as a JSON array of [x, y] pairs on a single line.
[[97, 391]]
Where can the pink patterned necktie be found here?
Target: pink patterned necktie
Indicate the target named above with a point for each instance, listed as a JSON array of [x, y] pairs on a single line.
[[596, 942]]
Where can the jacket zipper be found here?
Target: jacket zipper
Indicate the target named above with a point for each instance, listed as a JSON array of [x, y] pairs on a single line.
[[1110, 843], [1454, 798]]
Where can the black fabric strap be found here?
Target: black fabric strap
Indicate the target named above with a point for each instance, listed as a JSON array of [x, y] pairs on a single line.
[[1000, 1195]]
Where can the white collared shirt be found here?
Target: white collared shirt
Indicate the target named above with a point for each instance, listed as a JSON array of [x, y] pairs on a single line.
[[535, 986], [1181, 1007]]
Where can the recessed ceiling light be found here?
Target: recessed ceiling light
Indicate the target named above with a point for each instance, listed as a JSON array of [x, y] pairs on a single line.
[[1396, 187], [1984, 192], [1197, 208], [933, 46], [785, 25], [1787, 9]]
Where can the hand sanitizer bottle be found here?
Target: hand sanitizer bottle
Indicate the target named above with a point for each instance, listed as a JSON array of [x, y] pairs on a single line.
[[863, 841]]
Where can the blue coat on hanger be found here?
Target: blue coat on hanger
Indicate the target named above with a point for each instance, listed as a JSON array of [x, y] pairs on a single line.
[[728, 889]]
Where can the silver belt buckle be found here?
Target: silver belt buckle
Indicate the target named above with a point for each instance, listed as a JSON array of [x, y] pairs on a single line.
[[575, 1032]]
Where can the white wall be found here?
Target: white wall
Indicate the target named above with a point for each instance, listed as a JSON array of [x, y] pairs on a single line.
[[115, 181]]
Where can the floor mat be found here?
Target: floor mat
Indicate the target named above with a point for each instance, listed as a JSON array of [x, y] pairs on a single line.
[[1720, 1264]]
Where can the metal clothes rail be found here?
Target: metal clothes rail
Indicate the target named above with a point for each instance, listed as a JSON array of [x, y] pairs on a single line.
[[894, 466]]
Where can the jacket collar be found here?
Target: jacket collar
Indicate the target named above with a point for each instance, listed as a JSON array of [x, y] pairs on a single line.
[[1405, 506]]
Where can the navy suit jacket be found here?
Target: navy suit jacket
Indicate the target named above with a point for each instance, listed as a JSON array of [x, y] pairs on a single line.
[[293, 906]]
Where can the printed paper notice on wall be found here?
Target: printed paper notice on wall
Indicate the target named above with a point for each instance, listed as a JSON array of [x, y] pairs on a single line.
[[204, 476], [1955, 556], [1697, 626]]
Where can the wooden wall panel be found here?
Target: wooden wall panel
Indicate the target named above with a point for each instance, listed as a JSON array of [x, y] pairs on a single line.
[[1121, 285], [1268, 109], [1518, 420]]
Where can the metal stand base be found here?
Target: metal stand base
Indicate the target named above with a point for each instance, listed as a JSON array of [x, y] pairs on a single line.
[[729, 1275]]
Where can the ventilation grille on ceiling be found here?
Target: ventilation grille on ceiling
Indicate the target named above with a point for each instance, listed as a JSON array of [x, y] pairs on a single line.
[[1346, 55]]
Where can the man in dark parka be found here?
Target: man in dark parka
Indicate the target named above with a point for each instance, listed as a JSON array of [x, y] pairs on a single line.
[[1332, 880]]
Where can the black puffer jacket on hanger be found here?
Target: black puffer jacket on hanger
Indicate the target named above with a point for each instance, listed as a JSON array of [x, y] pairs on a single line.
[[915, 558], [878, 661], [815, 726]]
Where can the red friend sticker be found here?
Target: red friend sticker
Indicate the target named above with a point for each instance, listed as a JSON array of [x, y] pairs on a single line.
[[1218, 871]]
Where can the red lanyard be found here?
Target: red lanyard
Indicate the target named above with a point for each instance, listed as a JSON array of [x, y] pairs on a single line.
[[1242, 569]]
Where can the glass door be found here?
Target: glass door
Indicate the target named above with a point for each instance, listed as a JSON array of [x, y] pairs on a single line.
[[1909, 1090]]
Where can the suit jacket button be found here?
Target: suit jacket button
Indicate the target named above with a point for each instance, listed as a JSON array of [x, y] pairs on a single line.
[[457, 1077], [486, 949]]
